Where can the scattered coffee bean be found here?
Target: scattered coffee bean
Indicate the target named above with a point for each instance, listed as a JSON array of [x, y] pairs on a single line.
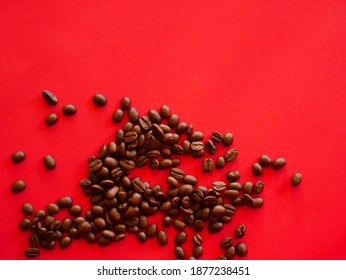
[[231, 155], [125, 103], [265, 161], [32, 252], [210, 147], [227, 139], [49, 97], [219, 186], [51, 119], [296, 179], [166, 221], [65, 242], [258, 187], [226, 242], [65, 202], [141, 236], [179, 253], [233, 175], [247, 188], [278, 163], [216, 137], [18, 156], [229, 253], [49, 162], [197, 251], [221, 257], [69, 110], [162, 237], [241, 249], [208, 165], [118, 116], [239, 231], [165, 111], [257, 169], [18, 186], [27, 209], [99, 99], [180, 238], [220, 162]]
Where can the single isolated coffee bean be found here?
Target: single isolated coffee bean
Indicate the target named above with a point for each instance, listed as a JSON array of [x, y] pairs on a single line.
[[257, 169], [278, 163], [69, 110], [296, 179], [49, 97], [18, 186], [18, 156], [240, 230], [51, 119], [27, 209], [125, 103], [99, 99], [49, 162], [265, 161]]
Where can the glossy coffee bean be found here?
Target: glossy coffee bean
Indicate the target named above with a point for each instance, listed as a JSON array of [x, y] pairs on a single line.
[[296, 179], [278, 163], [32, 252], [133, 115], [49, 162], [197, 251], [125, 103], [257, 169], [180, 238], [18, 186], [65, 202], [241, 249], [229, 253], [49, 97], [141, 236], [69, 110], [179, 253], [197, 239], [258, 187], [162, 237], [240, 230], [227, 139], [233, 175], [231, 155], [99, 99], [208, 165], [216, 137], [226, 242], [220, 162], [18, 156], [165, 111], [65, 242], [51, 119], [118, 116], [27, 209], [265, 161]]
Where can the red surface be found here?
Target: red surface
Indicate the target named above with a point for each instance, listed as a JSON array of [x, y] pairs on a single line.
[[270, 72]]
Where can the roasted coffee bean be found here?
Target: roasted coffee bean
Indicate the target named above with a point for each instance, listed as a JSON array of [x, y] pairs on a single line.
[[210, 147], [75, 210], [220, 162], [125, 103], [247, 200], [257, 169], [196, 136], [69, 110], [265, 161], [241, 249], [219, 186], [34, 240], [32, 252], [208, 165], [154, 116], [198, 225], [190, 179], [99, 99], [41, 214], [258, 187], [177, 173], [197, 251], [197, 146], [197, 240], [65, 202], [95, 165], [218, 210], [18, 156], [209, 200], [226, 242], [239, 231], [139, 186], [151, 230], [216, 137], [234, 186], [103, 241], [278, 163], [227, 139], [127, 164], [142, 222], [27, 209], [231, 193], [162, 237], [247, 187], [49, 162], [166, 221], [157, 131], [185, 189], [118, 116], [66, 225], [49, 97], [24, 224], [84, 228], [65, 242], [215, 227], [296, 179], [52, 208], [178, 224], [119, 237], [173, 120], [231, 155], [48, 220], [133, 115], [102, 151], [145, 123], [165, 111], [172, 182], [18, 186], [181, 128], [229, 253], [179, 253], [165, 163], [170, 138], [180, 238], [257, 202], [141, 236], [186, 146], [221, 257], [233, 175]]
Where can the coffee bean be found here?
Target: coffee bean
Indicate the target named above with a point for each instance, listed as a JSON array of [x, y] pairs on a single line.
[[162, 237], [210, 147], [220, 162], [197, 239], [119, 237], [65, 242], [208, 165], [181, 128], [216, 137], [32, 252], [218, 210], [233, 175], [151, 230], [226, 242], [18, 156], [296, 179], [198, 225], [165, 163], [177, 173], [99, 99], [173, 120], [27, 209], [51, 119], [84, 229], [241, 249], [186, 146], [69, 110], [178, 224], [227, 139], [231, 155], [231, 193], [257, 202], [190, 179], [141, 236], [247, 188], [265, 161], [49, 162], [234, 186], [165, 111], [154, 116], [219, 186], [180, 238], [24, 224], [258, 187], [240, 230], [215, 227], [18, 186], [221, 257], [166, 221], [65, 202], [247, 199], [41, 214], [229, 253], [118, 116], [75, 210], [257, 169], [125, 103], [197, 251], [49, 97], [279, 163], [133, 115], [179, 253]]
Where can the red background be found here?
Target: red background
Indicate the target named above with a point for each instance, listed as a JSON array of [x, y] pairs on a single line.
[[270, 72]]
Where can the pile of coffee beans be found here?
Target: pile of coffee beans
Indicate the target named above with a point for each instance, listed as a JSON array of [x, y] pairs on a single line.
[[120, 203]]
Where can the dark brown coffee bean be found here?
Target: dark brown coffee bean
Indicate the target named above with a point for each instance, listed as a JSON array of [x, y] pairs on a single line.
[[181, 128], [99, 99], [190, 179], [241, 249], [118, 116], [145, 123], [265, 161], [197, 251], [227, 139], [218, 210], [179, 253], [141, 236], [24, 224], [84, 228], [219, 186], [32, 252], [173, 120], [196, 136], [165, 163], [257, 169], [185, 189], [215, 227], [133, 115], [221, 258], [178, 224], [186, 146], [154, 116], [234, 186], [208, 165], [119, 237], [18, 186], [65, 242], [151, 230], [231, 193], [247, 199], [258, 187], [210, 147], [65, 202], [166, 221], [231, 155], [103, 241], [173, 182], [34, 240], [240, 230], [180, 238], [162, 237], [233, 175], [52, 208], [41, 214], [216, 137], [170, 138], [165, 111], [209, 200], [49, 162], [27, 209], [226, 242], [18, 156], [197, 240], [279, 163], [177, 173], [48, 221], [66, 225], [95, 165], [125, 103], [229, 253], [49, 97], [75, 210], [119, 228], [257, 202], [247, 187], [69, 110], [198, 225], [296, 179], [220, 162], [139, 186]]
